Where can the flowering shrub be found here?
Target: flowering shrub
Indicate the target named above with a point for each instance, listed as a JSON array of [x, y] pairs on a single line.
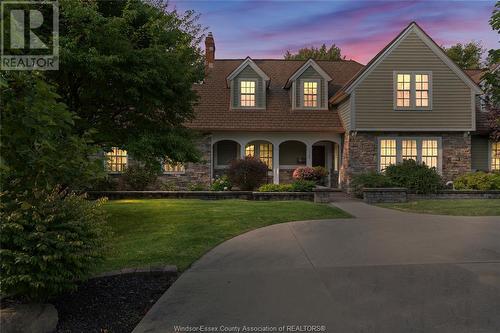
[[307, 173], [221, 184], [304, 173], [247, 174]]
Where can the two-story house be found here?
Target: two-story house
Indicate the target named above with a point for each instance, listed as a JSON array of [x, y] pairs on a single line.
[[409, 102]]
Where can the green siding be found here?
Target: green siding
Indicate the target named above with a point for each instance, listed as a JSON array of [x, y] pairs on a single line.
[[344, 110], [479, 153], [310, 73], [260, 92]]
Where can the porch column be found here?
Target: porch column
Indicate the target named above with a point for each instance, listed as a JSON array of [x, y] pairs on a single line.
[[309, 154], [276, 163], [242, 151]]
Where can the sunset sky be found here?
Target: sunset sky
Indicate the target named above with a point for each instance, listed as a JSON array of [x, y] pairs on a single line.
[[266, 29]]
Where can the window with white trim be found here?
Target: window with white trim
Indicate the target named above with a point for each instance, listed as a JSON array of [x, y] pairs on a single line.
[[421, 150], [116, 160], [495, 156], [310, 94], [247, 93], [264, 151], [412, 91], [388, 153]]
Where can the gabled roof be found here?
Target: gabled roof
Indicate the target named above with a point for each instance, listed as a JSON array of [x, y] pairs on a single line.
[[213, 111], [307, 64], [412, 27], [248, 62]]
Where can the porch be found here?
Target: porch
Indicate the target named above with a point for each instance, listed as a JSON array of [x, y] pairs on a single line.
[[281, 152]]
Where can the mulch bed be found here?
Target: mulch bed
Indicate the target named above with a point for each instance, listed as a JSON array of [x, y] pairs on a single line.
[[110, 304]]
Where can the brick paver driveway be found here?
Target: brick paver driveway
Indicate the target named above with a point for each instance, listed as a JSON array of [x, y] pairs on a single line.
[[384, 271]]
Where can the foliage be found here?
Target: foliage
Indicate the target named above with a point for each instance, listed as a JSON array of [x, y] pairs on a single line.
[[308, 173], [303, 185], [416, 177], [247, 173], [38, 145], [138, 177], [168, 186], [197, 187], [466, 56], [221, 184], [478, 181], [369, 180], [50, 241], [126, 70], [322, 53], [276, 188], [492, 81]]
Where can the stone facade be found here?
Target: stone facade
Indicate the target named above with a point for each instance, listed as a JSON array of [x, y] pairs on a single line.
[[195, 173], [360, 153]]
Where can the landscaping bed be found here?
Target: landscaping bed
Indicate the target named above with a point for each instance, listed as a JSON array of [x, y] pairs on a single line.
[[112, 303]]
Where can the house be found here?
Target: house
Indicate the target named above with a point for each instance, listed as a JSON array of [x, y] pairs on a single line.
[[409, 102]]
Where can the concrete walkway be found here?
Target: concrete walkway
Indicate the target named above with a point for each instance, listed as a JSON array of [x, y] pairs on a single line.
[[384, 271]]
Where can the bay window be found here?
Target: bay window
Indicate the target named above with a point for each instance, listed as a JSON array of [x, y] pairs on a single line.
[[421, 150]]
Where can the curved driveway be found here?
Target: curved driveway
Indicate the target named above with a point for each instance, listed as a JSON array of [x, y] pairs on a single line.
[[383, 271]]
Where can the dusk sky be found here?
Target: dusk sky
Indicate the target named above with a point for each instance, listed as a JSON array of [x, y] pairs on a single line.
[[266, 29]]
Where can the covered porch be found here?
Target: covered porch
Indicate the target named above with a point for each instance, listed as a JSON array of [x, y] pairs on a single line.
[[281, 152]]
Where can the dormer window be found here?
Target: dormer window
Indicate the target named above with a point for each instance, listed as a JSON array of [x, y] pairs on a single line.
[[247, 93], [412, 91], [310, 93]]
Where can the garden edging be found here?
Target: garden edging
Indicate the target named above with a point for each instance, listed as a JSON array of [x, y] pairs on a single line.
[[401, 194]]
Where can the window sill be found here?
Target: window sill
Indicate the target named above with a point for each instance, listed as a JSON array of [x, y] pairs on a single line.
[[247, 108], [412, 110]]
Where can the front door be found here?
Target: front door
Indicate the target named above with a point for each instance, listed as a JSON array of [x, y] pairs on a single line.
[[318, 156]]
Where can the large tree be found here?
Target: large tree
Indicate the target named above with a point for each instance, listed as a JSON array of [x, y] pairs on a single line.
[[321, 53], [492, 80], [467, 56], [127, 70]]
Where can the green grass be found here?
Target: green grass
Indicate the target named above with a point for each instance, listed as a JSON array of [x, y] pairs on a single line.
[[461, 207], [178, 232]]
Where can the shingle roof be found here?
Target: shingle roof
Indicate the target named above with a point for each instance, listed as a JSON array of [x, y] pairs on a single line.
[[213, 111]]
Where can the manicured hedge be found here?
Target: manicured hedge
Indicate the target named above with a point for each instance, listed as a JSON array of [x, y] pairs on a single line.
[[478, 181]]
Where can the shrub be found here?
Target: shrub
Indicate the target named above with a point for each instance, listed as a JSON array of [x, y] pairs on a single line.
[[304, 173], [276, 188], [50, 241], [247, 173], [478, 181], [139, 177], [221, 184], [416, 177], [197, 187], [369, 180], [303, 186], [320, 172]]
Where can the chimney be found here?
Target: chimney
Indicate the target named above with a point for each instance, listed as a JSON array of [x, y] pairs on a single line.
[[209, 51]]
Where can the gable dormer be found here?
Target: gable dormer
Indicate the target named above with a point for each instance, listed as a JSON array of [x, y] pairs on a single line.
[[248, 84], [309, 87]]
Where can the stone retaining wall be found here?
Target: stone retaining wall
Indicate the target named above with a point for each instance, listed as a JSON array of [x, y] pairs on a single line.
[[394, 195]]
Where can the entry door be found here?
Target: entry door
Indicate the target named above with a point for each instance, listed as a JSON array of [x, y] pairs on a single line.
[[318, 156]]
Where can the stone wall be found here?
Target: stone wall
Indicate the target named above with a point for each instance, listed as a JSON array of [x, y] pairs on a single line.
[[394, 195], [388, 195], [360, 153]]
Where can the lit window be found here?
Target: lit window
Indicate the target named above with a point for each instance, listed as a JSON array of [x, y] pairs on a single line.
[[171, 167], [266, 154], [388, 154], [116, 160], [430, 153], [409, 149], [495, 156], [421, 90], [264, 151], [247, 93], [310, 94], [250, 151], [403, 90]]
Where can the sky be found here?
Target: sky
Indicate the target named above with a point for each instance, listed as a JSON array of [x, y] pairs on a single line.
[[361, 28]]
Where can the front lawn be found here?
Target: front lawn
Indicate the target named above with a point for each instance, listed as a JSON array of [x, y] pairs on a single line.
[[460, 207], [178, 232]]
